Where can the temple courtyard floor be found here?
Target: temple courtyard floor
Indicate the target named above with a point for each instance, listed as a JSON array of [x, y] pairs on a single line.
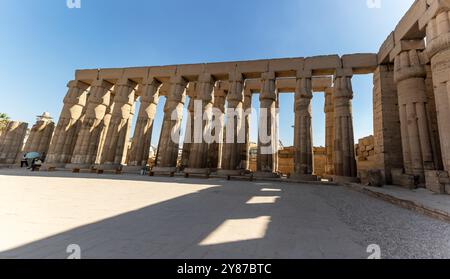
[[109, 216]]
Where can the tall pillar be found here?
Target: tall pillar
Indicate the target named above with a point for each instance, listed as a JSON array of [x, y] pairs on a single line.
[[329, 130], [86, 147], [303, 142], [438, 50], [140, 146], [198, 157], [170, 133], [191, 92], [12, 141], [344, 144], [386, 122], [231, 154], [66, 132], [215, 150], [267, 139], [118, 128], [40, 135], [414, 119], [247, 110]]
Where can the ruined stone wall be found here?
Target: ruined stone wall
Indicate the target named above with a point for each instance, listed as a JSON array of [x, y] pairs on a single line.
[[320, 161], [387, 135]]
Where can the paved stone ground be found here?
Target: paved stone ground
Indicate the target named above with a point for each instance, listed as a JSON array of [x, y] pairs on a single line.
[[141, 217]]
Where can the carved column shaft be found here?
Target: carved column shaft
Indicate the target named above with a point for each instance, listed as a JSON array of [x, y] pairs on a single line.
[[86, 147], [344, 150], [303, 157], [63, 142], [329, 130], [118, 129], [170, 133], [267, 145], [231, 159], [140, 147], [414, 120], [198, 157], [215, 150], [438, 50]]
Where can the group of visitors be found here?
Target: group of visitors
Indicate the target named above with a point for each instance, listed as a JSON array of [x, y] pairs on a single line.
[[32, 161]]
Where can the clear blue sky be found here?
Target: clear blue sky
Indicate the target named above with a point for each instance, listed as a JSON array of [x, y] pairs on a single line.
[[43, 42]]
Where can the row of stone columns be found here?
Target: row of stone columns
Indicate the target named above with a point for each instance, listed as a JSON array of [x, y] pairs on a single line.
[[95, 124]]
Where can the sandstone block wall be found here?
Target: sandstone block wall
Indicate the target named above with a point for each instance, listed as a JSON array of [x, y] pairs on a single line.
[[320, 161]]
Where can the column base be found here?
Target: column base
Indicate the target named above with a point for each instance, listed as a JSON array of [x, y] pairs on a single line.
[[133, 169], [79, 167], [170, 171], [263, 174], [399, 178], [438, 181], [304, 177], [117, 168], [230, 173], [345, 179], [192, 171], [52, 166]]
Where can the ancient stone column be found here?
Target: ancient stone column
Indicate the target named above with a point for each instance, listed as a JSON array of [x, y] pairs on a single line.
[[414, 122], [40, 135], [215, 149], [267, 145], [438, 50], [140, 146], [86, 147], [344, 145], [198, 157], [66, 132], [12, 141], [329, 130], [118, 129], [231, 155], [245, 153], [169, 142], [303, 142], [191, 92]]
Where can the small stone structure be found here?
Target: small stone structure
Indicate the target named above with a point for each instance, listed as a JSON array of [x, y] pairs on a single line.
[[40, 135]]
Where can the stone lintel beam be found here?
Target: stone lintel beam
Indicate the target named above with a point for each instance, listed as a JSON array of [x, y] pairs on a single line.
[[406, 45], [283, 68]]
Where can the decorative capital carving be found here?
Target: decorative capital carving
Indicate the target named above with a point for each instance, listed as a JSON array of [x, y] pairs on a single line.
[[407, 65]]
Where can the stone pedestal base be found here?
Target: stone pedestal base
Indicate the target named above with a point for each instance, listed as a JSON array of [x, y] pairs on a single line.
[[78, 167], [132, 169], [261, 174], [399, 178], [163, 171], [52, 167], [200, 172], [345, 179], [304, 177], [230, 173], [437, 181], [109, 167]]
